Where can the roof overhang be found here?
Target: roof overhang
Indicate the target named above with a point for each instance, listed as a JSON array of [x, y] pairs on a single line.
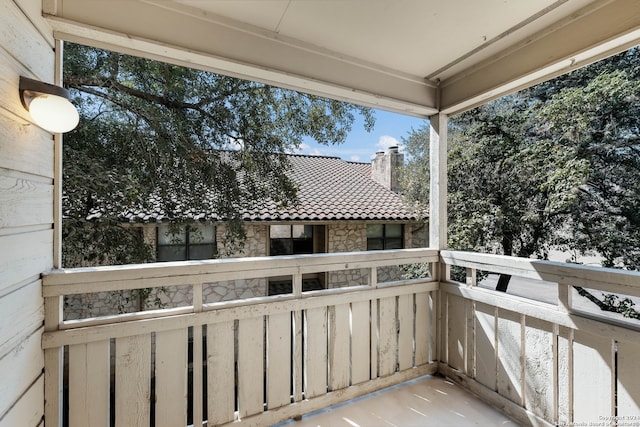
[[416, 57]]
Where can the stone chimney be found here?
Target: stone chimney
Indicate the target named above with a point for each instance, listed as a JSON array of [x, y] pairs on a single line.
[[385, 168]]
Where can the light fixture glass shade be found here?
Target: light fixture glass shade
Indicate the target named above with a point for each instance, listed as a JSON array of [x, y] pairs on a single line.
[[53, 113]]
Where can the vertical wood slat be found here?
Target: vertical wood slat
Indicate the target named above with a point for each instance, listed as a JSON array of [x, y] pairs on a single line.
[[316, 352], [220, 373], [440, 326], [133, 380], [250, 366], [627, 381], [470, 362], [297, 356], [406, 333], [565, 376], [539, 352], [456, 332], [360, 342], [373, 338], [89, 384], [423, 328], [171, 378], [279, 360], [388, 336], [339, 347], [53, 364], [485, 345], [197, 375], [592, 377], [510, 356]]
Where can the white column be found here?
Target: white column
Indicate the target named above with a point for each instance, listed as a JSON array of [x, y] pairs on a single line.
[[57, 178], [438, 182]]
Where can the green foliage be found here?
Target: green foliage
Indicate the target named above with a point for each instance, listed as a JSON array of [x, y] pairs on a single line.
[[553, 167], [416, 271], [599, 125], [154, 129]]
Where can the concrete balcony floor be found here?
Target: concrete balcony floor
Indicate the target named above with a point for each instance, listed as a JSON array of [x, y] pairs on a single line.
[[427, 401]]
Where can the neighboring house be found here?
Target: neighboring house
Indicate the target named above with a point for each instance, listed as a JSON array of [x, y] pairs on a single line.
[[343, 207]]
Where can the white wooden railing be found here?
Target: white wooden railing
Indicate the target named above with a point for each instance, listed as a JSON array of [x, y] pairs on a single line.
[[543, 363], [254, 362], [267, 359]]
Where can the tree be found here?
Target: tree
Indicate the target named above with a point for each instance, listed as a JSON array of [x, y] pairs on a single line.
[[506, 191], [156, 136], [554, 166], [599, 125]]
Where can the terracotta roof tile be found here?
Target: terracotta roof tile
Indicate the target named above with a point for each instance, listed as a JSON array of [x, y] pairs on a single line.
[[329, 188]]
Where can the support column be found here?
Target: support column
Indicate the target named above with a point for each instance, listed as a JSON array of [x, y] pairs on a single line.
[[57, 178], [438, 224], [438, 182]]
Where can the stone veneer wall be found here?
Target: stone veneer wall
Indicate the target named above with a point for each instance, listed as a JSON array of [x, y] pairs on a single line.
[[255, 245], [341, 237], [347, 237], [110, 303]]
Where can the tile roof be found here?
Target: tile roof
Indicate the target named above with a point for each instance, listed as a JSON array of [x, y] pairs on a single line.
[[329, 189]]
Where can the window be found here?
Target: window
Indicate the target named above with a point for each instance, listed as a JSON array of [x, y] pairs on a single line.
[[291, 239], [385, 236], [180, 243]]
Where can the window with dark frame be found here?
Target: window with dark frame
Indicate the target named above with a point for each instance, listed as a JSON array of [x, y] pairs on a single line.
[[186, 242], [385, 236], [291, 239], [288, 239]]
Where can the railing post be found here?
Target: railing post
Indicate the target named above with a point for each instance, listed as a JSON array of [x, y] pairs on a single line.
[[197, 297], [472, 279], [438, 181], [53, 363], [564, 297], [297, 285]]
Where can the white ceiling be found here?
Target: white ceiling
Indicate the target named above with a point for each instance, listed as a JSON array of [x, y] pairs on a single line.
[[411, 56], [434, 36]]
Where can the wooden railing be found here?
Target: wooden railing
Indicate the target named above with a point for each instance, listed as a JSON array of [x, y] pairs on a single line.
[[543, 363], [257, 361]]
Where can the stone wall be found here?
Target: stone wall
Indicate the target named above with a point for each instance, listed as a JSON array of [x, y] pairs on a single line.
[[347, 237], [341, 237], [111, 303]]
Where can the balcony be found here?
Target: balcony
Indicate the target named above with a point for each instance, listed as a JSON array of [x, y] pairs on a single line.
[[266, 360]]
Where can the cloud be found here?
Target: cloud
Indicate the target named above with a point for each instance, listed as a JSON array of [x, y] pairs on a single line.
[[386, 141], [355, 158]]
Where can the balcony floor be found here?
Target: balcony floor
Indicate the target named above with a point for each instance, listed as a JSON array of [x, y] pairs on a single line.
[[427, 401]]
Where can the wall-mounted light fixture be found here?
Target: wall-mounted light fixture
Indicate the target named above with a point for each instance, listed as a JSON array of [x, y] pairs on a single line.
[[48, 105]]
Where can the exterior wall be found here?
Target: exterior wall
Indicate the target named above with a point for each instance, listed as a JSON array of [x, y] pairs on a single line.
[[107, 303], [385, 168], [26, 213], [341, 237], [347, 237]]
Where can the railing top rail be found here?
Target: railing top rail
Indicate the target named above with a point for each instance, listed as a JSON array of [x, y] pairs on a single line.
[[207, 270], [610, 279]]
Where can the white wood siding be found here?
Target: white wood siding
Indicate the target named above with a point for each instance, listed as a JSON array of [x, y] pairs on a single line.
[[26, 213]]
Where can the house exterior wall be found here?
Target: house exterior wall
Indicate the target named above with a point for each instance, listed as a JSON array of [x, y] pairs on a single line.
[[347, 237], [341, 237], [26, 213]]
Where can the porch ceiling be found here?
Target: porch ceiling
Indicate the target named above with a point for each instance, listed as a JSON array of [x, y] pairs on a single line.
[[409, 56]]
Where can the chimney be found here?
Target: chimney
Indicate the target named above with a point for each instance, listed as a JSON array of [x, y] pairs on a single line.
[[385, 168]]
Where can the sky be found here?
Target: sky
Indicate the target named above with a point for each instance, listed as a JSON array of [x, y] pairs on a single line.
[[361, 146]]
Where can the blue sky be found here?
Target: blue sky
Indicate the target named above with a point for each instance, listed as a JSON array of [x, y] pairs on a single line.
[[361, 146]]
